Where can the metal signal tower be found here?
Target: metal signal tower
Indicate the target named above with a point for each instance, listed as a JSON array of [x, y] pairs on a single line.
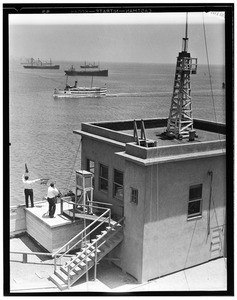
[[180, 121]]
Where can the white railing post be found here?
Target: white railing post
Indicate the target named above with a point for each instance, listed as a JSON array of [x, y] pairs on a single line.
[[95, 268], [109, 216], [86, 267], [55, 263], [68, 276]]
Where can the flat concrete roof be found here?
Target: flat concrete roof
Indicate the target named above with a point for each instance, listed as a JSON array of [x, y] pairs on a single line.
[[210, 140], [156, 134]]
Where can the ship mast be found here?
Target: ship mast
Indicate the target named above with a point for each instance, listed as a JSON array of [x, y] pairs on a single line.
[[180, 121]]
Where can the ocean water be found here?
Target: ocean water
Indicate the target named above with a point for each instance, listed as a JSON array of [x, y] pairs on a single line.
[[41, 127]]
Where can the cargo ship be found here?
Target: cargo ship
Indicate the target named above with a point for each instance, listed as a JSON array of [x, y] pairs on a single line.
[[38, 64], [73, 72], [89, 65]]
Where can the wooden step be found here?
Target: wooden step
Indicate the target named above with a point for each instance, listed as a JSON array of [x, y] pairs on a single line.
[[110, 228], [60, 274], [65, 271], [58, 282], [82, 257], [104, 232], [91, 249], [75, 267], [91, 253], [80, 263]]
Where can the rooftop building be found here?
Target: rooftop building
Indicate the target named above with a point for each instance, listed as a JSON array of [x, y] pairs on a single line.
[[171, 192]]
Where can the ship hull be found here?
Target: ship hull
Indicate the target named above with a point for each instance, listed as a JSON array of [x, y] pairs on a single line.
[[87, 73], [89, 67], [55, 67], [81, 92]]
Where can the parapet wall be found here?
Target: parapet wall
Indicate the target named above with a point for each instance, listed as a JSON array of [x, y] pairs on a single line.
[[113, 132], [171, 150]]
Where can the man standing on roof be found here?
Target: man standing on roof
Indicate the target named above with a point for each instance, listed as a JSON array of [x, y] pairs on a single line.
[[52, 198], [28, 188]]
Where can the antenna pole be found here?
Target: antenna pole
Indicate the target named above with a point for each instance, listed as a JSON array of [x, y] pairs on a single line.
[[185, 40], [180, 121], [186, 30]]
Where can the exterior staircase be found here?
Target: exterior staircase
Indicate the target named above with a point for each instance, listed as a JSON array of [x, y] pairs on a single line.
[[92, 250]]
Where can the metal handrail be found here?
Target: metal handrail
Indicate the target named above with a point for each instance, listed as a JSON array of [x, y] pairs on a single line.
[[30, 253], [69, 201], [56, 254], [78, 242], [76, 236], [96, 241], [103, 203], [92, 251]]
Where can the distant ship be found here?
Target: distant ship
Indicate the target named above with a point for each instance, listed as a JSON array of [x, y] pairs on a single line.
[[80, 92], [89, 66], [73, 72], [38, 64]]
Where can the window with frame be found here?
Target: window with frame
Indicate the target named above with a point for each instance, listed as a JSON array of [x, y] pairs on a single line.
[[134, 196], [118, 184], [104, 178], [90, 166], [195, 201]]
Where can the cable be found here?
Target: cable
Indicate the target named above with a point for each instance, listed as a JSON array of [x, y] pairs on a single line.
[[73, 164], [51, 78], [209, 71], [188, 253], [208, 64]]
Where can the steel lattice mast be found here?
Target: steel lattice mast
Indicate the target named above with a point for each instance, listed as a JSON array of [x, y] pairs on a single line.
[[180, 121]]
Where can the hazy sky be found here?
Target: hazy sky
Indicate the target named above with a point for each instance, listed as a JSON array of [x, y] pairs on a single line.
[[155, 37]]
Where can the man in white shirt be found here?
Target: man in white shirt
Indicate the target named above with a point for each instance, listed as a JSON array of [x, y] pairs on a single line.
[[51, 197], [28, 189]]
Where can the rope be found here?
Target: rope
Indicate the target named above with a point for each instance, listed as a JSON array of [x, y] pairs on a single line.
[[51, 78], [188, 253], [209, 204], [209, 71], [73, 164]]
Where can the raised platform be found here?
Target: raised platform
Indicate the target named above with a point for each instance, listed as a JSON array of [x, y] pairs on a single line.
[[51, 233]]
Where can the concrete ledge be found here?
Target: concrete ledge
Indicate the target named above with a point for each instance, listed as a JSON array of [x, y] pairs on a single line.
[[171, 150], [100, 139], [107, 133], [166, 159]]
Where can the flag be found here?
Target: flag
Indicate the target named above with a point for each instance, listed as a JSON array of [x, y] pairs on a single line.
[[26, 169]]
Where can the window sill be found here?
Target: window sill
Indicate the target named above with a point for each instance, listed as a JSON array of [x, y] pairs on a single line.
[[194, 218]]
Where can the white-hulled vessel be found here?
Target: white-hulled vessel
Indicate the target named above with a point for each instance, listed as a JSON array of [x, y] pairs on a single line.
[[80, 92]]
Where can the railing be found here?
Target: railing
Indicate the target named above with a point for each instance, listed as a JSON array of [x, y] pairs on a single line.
[[94, 246], [26, 253], [83, 234], [69, 201], [188, 64]]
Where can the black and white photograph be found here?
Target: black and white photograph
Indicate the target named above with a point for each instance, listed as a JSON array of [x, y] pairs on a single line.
[[117, 129]]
